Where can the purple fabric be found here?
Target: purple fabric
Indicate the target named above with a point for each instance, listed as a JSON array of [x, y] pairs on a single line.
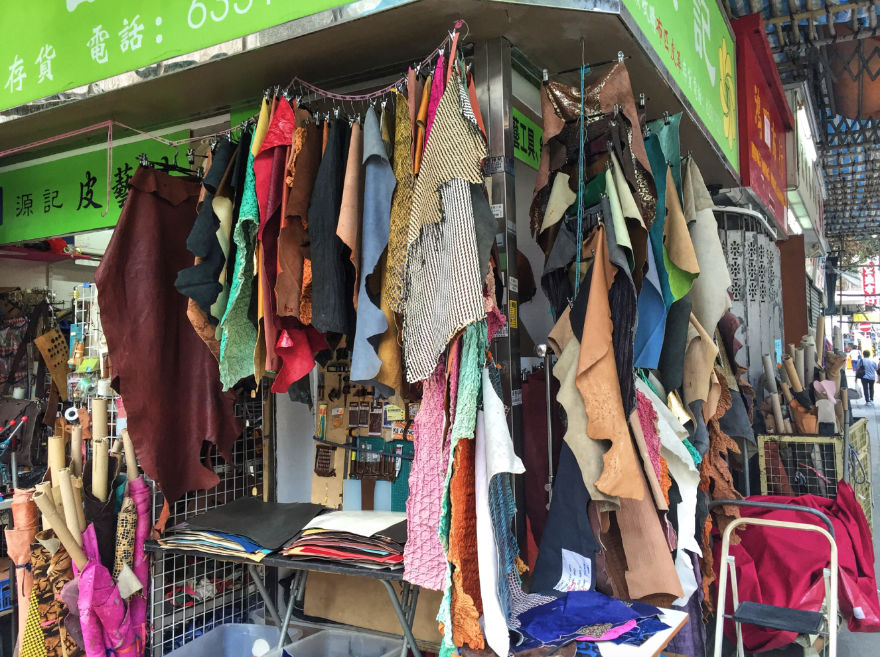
[[691, 640], [140, 493], [103, 615], [70, 597], [438, 86]]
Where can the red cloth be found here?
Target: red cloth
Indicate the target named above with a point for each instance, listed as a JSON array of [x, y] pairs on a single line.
[[270, 165], [297, 349], [784, 567]]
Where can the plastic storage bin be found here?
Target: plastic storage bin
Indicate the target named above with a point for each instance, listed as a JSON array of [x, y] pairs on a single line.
[[342, 643], [294, 633], [230, 640], [5, 594]]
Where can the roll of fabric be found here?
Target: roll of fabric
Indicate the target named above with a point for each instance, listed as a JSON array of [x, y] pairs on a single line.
[[106, 624], [18, 548], [52, 569], [126, 523], [140, 493]]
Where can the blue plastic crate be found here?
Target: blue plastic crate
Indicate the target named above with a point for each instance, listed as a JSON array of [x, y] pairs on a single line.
[[5, 594]]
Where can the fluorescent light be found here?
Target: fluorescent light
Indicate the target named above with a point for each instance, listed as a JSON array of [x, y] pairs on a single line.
[[805, 135], [793, 224]]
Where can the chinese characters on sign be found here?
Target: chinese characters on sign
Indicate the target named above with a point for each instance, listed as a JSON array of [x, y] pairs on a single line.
[[50, 200], [87, 192], [869, 285], [669, 43], [24, 205], [120, 183], [703, 36], [692, 40], [527, 139], [96, 39], [765, 119], [16, 75], [69, 194]]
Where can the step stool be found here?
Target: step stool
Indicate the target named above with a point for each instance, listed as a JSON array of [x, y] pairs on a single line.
[[784, 619]]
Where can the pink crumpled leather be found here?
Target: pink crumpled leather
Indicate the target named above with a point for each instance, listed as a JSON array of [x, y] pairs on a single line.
[[106, 623], [424, 563], [139, 491], [613, 633], [648, 421]]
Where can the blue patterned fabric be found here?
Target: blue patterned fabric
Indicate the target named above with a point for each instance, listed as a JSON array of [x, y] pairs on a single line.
[[647, 627]]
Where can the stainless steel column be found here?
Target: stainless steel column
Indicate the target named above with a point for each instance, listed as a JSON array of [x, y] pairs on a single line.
[[492, 73]]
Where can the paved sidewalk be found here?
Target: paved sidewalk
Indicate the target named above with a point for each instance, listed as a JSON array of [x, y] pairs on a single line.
[[860, 644]]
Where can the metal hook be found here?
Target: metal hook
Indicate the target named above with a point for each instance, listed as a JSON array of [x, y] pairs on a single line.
[[620, 56], [666, 118], [545, 76]]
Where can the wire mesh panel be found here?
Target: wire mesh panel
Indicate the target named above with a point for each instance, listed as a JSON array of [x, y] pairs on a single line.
[[800, 465], [859, 463], [190, 595]]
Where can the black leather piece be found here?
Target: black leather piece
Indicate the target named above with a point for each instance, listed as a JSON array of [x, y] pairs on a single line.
[[568, 527], [270, 524]]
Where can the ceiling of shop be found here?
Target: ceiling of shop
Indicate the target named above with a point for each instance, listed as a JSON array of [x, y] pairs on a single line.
[[371, 48], [833, 46]]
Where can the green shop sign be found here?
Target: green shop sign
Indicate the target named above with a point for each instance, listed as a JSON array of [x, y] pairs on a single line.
[[68, 194], [527, 139], [695, 44], [50, 46]]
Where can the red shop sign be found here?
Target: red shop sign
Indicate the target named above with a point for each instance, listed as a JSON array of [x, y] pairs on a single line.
[[764, 118]]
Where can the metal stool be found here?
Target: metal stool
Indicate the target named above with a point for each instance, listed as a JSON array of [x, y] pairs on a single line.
[[779, 618]]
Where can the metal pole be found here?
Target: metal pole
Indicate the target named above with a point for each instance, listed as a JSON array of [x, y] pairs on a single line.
[[544, 353], [271, 609], [492, 72], [840, 302]]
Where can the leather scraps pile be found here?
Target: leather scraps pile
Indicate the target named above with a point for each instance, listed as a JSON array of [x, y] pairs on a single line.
[[637, 282], [247, 528], [372, 539]]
